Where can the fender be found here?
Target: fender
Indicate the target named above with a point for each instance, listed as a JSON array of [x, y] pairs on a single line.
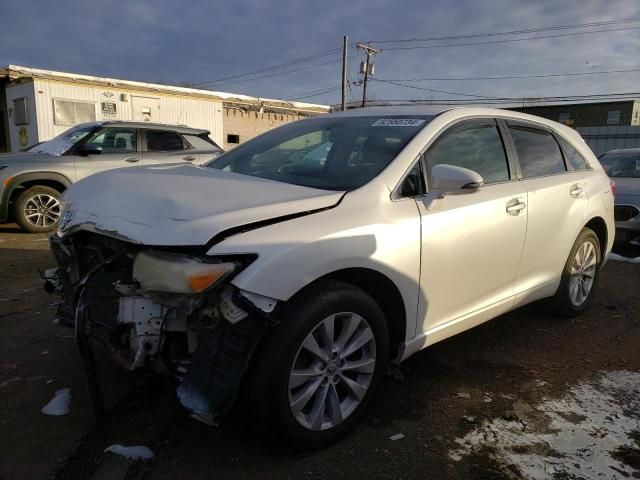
[[382, 236], [19, 180]]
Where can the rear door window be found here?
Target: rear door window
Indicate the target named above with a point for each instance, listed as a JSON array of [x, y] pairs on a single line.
[[201, 142], [164, 141], [538, 152]]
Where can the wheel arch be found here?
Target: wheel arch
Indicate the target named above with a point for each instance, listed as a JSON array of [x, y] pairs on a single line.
[[599, 226], [384, 292], [19, 183]]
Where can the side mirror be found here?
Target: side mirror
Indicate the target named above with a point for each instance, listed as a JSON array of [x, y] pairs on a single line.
[[87, 150], [449, 179]]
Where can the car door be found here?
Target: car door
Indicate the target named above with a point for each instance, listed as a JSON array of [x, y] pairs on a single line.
[[471, 243], [557, 207], [108, 148], [167, 146]]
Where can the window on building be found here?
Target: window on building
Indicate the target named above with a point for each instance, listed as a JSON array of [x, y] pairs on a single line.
[[574, 159], [538, 152], [164, 141], [564, 117], [20, 111], [233, 138], [477, 148], [115, 140], [72, 112], [613, 117]]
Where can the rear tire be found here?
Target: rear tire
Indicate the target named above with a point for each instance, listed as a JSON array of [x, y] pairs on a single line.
[[37, 209], [336, 317], [579, 277]]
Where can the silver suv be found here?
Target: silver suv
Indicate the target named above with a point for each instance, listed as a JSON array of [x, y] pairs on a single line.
[[31, 182]]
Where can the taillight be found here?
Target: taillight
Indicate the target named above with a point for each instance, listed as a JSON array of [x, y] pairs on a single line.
[[614, 187]]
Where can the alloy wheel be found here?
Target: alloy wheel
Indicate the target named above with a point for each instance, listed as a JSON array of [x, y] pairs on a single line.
[[332, 371], [42, 210], [583, 271]]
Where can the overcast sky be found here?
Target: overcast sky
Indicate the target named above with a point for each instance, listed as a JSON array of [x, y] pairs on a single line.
[[198, 41]]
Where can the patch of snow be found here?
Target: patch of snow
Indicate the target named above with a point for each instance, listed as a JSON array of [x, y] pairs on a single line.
[[620, 258], [576, 436], [59, 404], [136, 452]]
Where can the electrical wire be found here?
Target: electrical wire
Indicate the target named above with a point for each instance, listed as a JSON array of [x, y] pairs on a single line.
[[430, 89], [286, 72], [513, 32], [548, 75], [296, 61], [509, 40], [314, 93], [507, 100]]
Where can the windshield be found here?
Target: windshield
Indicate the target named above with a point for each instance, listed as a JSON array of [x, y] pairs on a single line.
[[621, 164], [63, 142], [332, 153]]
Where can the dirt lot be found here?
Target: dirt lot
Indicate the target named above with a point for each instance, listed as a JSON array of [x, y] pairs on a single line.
[[525, 395]]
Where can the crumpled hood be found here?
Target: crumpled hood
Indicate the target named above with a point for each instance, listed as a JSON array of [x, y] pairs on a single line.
[[180, 204]]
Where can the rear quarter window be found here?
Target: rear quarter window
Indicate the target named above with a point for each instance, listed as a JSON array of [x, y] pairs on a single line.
[[573, 157], [201, 142], [538, 152]]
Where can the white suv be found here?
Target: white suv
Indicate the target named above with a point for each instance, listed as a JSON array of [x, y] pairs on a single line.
[[304, 274]]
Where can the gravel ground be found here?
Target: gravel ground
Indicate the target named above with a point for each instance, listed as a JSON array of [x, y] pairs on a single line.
[[523, 396]]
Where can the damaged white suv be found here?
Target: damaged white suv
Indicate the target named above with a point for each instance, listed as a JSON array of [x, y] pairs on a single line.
[[304, 261]]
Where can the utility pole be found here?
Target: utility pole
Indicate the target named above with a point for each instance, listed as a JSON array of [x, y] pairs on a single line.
[[368, 68], [345, 42]]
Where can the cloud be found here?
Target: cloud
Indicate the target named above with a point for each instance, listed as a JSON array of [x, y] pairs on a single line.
[[197, 41]]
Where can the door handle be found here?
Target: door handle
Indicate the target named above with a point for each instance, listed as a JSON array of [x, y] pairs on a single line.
[[515, 206], [189, 158], [576, 191], [132, 160]]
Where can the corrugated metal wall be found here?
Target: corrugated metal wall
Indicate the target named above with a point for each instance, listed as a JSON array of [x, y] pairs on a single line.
[[603, 139], [174, 109]]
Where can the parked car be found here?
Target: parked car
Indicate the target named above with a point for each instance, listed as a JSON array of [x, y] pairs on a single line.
[[623, 166], [304, 283], [31, 182]]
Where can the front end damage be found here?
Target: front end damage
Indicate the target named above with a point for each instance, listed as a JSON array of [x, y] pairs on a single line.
[[170, 309]]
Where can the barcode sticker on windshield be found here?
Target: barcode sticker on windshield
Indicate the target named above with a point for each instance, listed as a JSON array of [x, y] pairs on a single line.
[[398, 122]]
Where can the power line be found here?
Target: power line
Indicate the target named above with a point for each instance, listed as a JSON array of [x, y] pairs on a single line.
[[510, 40], [314, 93], [506, 100], [573, 74], [513, 32], [274, 67], [430, 89], [286, 72], [480, 97]]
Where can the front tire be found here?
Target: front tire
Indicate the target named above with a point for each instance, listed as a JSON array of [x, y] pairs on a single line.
[[37, 209], [579, 277], [320, 367]]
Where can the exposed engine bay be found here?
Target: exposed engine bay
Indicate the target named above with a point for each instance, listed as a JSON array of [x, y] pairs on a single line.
[[172, 310]]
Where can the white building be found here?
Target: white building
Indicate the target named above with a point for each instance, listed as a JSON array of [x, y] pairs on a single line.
[[36, 105]]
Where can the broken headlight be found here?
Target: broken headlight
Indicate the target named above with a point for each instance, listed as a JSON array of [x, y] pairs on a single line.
[[164, 272]]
